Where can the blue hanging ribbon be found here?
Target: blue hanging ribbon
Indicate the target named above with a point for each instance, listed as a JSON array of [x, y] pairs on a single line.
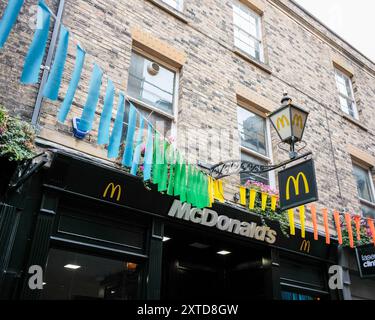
[[88, 112], [51, 90], [148, 154], [129, 146], [105, 120], [9, 19], [115, 140], [65, 106], [34, 58], [138, 148]]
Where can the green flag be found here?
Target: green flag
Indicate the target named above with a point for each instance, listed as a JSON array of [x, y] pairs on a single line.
[[189, 185], [183, 183], [156, 165], [172, 166], [177, 176], [162, 186]]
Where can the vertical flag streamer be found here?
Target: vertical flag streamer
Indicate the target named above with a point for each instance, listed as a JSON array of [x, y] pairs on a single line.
[[157, 160], [115, 140], [264, 201], [348, 221], [129, 144], [76, 76], [302, 219], [273, 202], [243, 196], [106, 116], [138, 148], [9, 19], [164, 169], [357, 220], [148, 154], [291, 222], [183, 183], [371, 225], [34, 57], [218, 190], [336, 216], [253, 195], [177, 181], [88, 112], [172, 173], [314, 221], [51, 90], [211, 191], [326, 226]]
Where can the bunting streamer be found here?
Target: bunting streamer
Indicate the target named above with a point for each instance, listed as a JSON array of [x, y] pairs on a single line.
[[189, 185], [336, 216], [219, 191], [129, 146], [211, 191], [183, 183], [88, 112], [371, 225], [243, 196], [105, 119], [171, 179], [138, 148], [177, 181], [157, 160], [34, 58], [302, 218], [326, 226], [9, 19], [148, 154], [115, 140], [314, 221], [164, 169], [357, 220], [273, 202], [348, 221], [67, 103], [253, 195], [291, 222], [264, 201], [51, 90]]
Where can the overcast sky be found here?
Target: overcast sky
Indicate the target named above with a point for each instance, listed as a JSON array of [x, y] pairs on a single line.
[[353, 20]]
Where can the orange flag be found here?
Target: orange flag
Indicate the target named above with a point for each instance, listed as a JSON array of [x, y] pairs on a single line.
[[336, 216], [348, 220], [326, 227], [370, 223], [357, 220], [314, 221]]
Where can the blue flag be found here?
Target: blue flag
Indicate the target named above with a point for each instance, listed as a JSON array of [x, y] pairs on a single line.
[[88, 112], [115, 141], [65, 106], [51, 90], [148, 154], [9, 19], [34, 58], [129, 146], [105, 119], [138, 148]]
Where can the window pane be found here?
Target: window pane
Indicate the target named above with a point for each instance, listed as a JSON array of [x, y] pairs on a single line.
[[368, 211], [177, 4], [263, 177], [363, 183], [156, 90], [252, 129]]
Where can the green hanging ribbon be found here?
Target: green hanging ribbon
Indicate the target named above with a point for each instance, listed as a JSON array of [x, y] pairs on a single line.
[[172, 166], [162, 186], [183, 183], [177, 176], [157, 160]]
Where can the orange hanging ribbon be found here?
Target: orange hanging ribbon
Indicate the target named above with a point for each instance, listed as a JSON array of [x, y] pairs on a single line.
[[370, 223], [326, 227], [336, 216], [348, 220], [314, 221], [357, 220]]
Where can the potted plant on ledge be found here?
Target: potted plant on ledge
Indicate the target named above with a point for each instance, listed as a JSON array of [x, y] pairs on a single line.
[[16, 145]]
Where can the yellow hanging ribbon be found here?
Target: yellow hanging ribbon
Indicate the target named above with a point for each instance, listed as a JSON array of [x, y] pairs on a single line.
[[273, 203], [264, 201], [218, 190], [302, 221], [291, 222], [243, 196], [210, 192], [253, 195]]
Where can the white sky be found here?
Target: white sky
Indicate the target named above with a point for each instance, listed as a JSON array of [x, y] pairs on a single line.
[[353, 20]]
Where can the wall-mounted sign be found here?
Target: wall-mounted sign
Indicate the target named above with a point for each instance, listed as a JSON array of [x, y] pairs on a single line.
[[366, 260], [297, 185]]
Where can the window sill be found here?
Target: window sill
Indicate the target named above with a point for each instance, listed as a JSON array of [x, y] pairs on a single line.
[[177, 14], [256, 63], [367, 203], [354, 121]]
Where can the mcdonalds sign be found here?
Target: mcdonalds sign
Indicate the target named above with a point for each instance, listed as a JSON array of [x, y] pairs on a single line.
[[298, 185]]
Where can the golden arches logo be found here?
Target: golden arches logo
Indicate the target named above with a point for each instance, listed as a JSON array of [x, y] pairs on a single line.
[[298, 121], [296, 184], [282, 122], [305, 246], [114, 190]]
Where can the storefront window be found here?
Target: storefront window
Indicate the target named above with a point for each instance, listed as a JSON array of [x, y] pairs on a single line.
[[365, 190], [286, 295], [75, 276]]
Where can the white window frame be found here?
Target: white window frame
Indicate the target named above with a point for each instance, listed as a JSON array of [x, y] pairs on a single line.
[[372, 188], [258, 17], [340, 73], [179, 4], [174, 116]]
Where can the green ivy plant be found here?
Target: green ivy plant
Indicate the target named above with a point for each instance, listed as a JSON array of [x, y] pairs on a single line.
[[16, 138]]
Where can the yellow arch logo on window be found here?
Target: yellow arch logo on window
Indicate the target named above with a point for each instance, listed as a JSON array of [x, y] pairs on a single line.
[[114, 190], [282, 122], [296, 184], [297, 121]]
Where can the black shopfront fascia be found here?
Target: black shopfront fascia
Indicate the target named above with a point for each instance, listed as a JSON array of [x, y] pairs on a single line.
[[76, 184]]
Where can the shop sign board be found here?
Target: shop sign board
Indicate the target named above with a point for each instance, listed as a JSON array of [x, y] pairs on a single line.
[[366, 260]]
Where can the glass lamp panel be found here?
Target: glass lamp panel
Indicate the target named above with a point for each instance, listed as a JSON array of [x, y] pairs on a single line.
[[298, 122], [282, 123]]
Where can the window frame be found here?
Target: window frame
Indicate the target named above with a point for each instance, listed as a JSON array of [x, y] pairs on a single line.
[[340, 73], [259, 27], [180, 5], [372, 187]]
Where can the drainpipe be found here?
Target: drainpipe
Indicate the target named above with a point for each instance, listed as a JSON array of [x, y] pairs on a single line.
[[47, 66]]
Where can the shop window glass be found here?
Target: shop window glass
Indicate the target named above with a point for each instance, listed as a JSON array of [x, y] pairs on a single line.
[[365, 190]]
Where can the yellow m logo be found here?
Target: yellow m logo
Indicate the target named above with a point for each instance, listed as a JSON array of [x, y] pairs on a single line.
[[296, 184], [114, 190], [305, 246], [297, 121], [282, 122]]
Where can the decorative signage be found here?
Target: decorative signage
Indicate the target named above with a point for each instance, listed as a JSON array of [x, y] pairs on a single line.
[[366, 260], [298, 185]]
